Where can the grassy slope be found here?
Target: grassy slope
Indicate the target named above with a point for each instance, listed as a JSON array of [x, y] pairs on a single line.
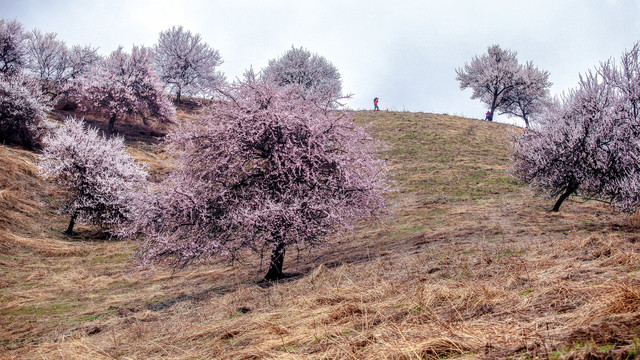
[[471, 265]]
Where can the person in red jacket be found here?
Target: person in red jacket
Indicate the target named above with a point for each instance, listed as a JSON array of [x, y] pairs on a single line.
[[375, 105]]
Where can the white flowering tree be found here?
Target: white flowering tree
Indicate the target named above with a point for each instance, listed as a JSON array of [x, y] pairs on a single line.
[[102, 182], [12, 48], [187, 65], [265, 170], [530, 97], [499, 81], [125, 86], [23, 110], [47, 59], [318, 78], [81, 58]]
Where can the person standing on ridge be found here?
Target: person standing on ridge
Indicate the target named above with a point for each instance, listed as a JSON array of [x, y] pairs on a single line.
[[375, 105]]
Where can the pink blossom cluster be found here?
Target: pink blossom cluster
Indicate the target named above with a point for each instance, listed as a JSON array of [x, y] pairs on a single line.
[[11, 46], [103, 185]]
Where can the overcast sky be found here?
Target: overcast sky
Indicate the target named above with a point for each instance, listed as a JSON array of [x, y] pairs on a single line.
[[404, 52]]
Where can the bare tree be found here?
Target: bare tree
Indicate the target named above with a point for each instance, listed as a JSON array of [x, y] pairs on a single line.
[[48, 60], [80, 60]]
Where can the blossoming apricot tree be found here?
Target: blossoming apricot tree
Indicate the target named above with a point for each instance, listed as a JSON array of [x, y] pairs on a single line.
[[590, 143], [103, 183], [265, 169], [125, 85]]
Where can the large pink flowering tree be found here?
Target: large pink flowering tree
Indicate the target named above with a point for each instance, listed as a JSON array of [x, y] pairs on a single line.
[[590, 143], [265, 169], [103, 184], [125, 86], [187, 65]]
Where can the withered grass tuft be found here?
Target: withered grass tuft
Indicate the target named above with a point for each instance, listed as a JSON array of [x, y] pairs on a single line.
[[471, 265]]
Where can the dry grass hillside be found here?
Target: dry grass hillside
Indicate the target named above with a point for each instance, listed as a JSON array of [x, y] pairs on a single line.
[[470, 266]]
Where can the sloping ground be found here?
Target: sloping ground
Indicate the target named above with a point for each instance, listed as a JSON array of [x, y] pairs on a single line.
[[470, 265]]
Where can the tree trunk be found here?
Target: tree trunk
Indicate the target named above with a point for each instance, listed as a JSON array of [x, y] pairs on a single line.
[[112, 123], [570, 190], [178, 98], [72, 222], [277, 259]]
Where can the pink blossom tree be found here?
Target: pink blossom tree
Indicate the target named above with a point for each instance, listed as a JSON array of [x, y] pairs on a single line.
[[23, 110], [318, 78], [102, 182], [266, 169], [498, 80], [125, 86], [590, 143], [186, 63], [12, 48]]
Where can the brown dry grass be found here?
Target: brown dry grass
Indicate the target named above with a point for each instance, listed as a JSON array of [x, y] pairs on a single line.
[[470, 266]]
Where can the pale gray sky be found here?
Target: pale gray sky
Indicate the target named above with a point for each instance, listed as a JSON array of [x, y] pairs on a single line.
[[404, 52]]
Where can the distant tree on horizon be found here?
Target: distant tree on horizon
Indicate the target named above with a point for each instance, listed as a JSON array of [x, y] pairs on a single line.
[[265, 169], [318, 78], [187, 65], [499, 81], [125, 85], [100, 179], [590, 142], [529, 98]]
